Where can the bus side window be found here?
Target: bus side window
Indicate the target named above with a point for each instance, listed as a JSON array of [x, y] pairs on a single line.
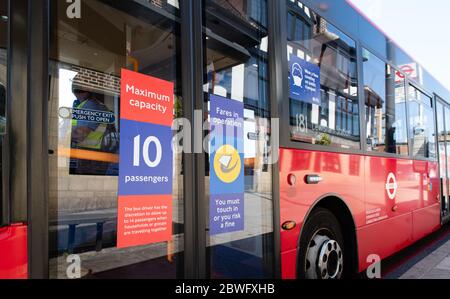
[[324, 104], [385, 107]]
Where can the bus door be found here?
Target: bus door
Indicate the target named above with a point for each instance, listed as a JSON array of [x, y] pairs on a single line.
[[109, 219], [426, 215]]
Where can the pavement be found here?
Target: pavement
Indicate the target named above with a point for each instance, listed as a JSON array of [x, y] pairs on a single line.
[[436, 265], [429, 259]]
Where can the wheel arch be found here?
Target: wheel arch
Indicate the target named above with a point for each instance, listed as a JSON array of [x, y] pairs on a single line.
[[340, 209]]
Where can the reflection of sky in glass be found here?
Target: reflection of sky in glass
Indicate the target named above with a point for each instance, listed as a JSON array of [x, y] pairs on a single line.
[[374, 75], [420, 27], [351, 43], [66, 97]]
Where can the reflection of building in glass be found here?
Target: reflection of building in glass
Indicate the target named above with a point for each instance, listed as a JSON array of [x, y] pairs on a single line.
[[385, 106], [421, 114], [374, 115]]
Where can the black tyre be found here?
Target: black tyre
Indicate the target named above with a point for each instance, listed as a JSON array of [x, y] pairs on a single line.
[[321, 247]]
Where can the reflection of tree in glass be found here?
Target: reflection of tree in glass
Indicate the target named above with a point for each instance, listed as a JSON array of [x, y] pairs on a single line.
[[178, 107], [324, 139]]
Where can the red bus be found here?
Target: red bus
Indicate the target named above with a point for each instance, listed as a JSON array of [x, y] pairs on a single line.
[[357, 203], [345, 140]]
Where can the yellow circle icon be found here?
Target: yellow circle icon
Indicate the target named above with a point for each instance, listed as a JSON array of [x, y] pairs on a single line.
[[227, 164]]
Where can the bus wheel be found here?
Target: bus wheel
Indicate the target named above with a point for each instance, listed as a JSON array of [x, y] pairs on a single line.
[[321, 254]]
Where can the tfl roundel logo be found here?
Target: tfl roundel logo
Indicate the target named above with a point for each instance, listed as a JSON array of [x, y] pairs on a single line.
[[391, 186]]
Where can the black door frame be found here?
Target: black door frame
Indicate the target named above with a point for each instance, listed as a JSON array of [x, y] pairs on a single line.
[[24, 145], [277, 55], [38, 174], [16, 141], [438, 100], [194, 178], [28, 128], [5, 203]]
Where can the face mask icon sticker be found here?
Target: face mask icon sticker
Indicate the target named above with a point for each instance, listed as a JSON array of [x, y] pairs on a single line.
[[304, 81], [297, 74]]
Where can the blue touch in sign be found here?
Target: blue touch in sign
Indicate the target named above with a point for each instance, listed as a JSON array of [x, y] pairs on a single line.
[[304, 79], [226, 166]]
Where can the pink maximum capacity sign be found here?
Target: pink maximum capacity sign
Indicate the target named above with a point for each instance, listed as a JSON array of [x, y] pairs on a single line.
[[146, 160]]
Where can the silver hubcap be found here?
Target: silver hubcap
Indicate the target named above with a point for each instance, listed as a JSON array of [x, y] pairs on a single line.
[[324, 259]]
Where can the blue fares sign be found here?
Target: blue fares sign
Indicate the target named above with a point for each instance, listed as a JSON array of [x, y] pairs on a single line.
[[304, 81], [226, 166]]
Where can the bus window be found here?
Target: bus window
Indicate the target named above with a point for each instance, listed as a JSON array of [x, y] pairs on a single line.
[[385, 107], [422, 124], [324, 107]]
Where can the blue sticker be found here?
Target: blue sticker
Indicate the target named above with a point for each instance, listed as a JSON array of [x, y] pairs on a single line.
[[304, 81], [226, 166], [146, 159]]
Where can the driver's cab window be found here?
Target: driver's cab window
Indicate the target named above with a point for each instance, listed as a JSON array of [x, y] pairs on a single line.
[[422, 124], [88, 59]]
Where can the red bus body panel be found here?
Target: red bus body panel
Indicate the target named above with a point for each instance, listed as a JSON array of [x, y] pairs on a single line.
[[13, 252], [383, 225]]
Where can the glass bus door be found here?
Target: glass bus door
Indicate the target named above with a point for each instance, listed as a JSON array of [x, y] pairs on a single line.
[[238, 182], [113, 215]]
